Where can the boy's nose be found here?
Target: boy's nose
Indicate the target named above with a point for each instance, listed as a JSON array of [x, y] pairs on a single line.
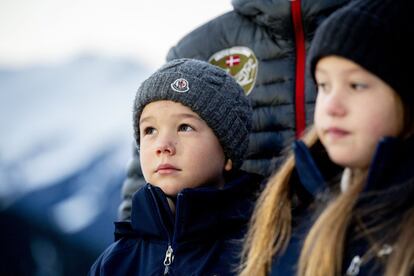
[[165, 148]]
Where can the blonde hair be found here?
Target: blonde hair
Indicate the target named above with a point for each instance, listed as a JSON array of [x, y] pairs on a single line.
[[270, 226], [270, 229], [322, 252], [323, 249], [402, 261]]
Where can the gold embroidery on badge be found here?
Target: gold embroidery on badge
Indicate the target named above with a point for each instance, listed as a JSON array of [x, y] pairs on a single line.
[[241, 63]]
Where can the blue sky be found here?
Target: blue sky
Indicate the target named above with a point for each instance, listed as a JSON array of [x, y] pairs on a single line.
[[51, 31]]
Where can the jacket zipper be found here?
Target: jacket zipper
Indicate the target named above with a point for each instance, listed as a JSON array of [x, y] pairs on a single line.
[[169, 254], [300, 67], [169, 258]]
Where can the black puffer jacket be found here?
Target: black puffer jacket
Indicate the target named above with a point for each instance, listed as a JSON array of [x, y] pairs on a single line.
[[275, 34]]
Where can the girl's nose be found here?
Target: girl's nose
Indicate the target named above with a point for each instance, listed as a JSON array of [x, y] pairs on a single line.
[[335, 104]]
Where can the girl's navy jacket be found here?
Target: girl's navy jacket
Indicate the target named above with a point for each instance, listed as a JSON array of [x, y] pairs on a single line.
[[387, 195], [203, 238]]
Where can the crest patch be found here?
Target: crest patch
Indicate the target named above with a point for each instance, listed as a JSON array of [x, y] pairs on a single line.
[[241, 63], [180, 85]]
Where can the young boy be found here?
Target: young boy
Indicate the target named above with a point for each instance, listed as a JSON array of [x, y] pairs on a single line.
[[191, 122]]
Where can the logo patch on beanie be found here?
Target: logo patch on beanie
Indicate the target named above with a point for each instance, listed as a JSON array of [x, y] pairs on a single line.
[[241, 63], [180, 85]]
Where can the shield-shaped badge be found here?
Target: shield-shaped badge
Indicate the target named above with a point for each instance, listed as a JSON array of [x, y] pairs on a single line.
[[241, 63]]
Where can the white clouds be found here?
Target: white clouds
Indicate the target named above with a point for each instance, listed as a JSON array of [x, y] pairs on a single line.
[[50, 30]]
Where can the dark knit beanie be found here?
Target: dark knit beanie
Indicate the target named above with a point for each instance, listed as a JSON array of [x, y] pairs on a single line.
[[377, 35], [208, 91]]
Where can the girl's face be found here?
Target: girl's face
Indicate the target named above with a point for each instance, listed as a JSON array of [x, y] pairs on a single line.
[[354, 110], [178, 149]]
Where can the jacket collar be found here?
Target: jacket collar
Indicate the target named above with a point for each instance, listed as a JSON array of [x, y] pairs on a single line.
[[201, 213], [313, 167], [393, 163]]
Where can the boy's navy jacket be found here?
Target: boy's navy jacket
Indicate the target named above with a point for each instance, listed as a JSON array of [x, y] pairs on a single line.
[[203, 238], [389, 188]]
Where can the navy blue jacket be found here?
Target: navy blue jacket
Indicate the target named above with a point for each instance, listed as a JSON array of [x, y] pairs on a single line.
[[390, 185], [203, 238]]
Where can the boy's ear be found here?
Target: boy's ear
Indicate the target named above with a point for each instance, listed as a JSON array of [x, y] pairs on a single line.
[[229, 165]]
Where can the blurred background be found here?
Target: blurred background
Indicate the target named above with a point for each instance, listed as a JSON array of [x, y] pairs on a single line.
[[68, 75]]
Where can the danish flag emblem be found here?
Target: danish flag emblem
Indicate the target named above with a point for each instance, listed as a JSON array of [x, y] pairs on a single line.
[[180, 85], [232, 60], [240, 62]]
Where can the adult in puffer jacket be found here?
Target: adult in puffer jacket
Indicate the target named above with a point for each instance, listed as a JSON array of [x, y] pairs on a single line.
[[263, 45]]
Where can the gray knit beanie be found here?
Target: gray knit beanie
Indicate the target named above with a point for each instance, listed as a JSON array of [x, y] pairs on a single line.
[[208, 91]]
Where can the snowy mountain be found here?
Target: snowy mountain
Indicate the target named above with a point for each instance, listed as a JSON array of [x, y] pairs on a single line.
[[65, 140]]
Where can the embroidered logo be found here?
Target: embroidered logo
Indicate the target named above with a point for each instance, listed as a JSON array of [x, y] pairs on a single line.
[[180, 85], [232, 60], [241, 63]]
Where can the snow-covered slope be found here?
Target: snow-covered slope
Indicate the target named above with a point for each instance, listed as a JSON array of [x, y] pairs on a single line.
[[53, 120], [65, 140]]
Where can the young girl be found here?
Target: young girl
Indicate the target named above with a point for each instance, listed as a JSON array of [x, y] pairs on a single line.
[[191, 122], [342, 204]]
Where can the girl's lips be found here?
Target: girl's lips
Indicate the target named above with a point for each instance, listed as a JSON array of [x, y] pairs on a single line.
[[336, 133]]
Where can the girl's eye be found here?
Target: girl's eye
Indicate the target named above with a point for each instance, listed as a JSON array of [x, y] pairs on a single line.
[[185, 128], [321, 86], [358, 86], [148, 131]]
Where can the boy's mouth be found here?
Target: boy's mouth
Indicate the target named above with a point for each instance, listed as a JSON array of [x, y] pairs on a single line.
[[166, 168]]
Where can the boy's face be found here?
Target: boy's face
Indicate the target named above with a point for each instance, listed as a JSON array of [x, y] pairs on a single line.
[[354, 110], [178, 149]]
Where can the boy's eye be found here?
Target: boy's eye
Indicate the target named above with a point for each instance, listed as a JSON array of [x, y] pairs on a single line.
[[185, 128], [148, 131]]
